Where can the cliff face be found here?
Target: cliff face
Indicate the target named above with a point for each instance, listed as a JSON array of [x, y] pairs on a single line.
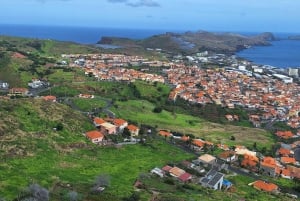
[[190, 42]]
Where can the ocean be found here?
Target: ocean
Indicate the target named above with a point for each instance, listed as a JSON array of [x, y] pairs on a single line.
[[83, 35], [282, 53]]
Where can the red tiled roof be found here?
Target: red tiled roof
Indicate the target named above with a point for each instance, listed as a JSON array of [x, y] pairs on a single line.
[[99, 121], [167, 168], [287, 160], [226, 154], [185, 177], [49, 98], [119, 122], [198, 143], [176, 171], [248, 163], [94, 134], [164, 133], [284, 134], [284, 152], [262, 185], [132, 127], [286, 172]]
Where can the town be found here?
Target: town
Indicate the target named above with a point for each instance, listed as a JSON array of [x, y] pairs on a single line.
[[268, 94]]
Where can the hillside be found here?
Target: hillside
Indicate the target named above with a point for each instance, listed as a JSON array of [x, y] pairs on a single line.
[[191, 42], [43, 143], [63, 160]]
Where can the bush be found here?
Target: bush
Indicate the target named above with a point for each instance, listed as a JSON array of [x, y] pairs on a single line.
[[157, 110]]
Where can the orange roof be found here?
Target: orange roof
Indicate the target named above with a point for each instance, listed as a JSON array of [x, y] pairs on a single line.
[[18, 90], [251, 157], [226, 154], [132, 127], [262, 185], [284, 134], [49, 98], [94, 134], [99, 121], [198, 143], [286, 172], [248, 163], [164, 133], [177, 172], [283, 151], [119, 122], [288, 160], [269, 160], [223, 146]]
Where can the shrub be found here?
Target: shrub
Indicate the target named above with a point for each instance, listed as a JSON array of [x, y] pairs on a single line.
[[157, 110]]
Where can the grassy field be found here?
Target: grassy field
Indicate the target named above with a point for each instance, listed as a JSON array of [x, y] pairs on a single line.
[[142, 111], [88, 104]]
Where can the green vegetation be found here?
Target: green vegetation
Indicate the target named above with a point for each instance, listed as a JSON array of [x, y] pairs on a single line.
[[142, 112], [43, 143], [32, 148], [88, 104]]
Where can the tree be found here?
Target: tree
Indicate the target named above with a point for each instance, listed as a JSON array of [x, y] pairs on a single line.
[[101, 181], [254, 145], [73, 196], [37, 193], [126, 133], [133, 197], [59, 126], [157, 110]]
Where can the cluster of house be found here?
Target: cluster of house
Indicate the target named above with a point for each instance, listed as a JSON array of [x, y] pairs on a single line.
[[110, 127], [277, 100], [286, 164], [111, 67], [213, 178], [229, 87]]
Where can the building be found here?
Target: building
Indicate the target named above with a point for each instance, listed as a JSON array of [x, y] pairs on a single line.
[[213, 180], [18, 92], [158, 172], [207, 160], [269, 166], [4, 85], [120, 124], [95, 136], [265, 186], [293, 72], [108, 128], [228, 156], [49, 98], [134, 130]]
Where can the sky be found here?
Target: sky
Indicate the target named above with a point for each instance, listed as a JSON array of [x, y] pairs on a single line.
[[209, 15]]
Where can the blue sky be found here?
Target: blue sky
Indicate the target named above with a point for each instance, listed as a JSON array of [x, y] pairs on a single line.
[[211, 15]]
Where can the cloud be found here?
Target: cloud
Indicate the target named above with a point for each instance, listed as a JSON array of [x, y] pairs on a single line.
[[139, 3], [144, 3]]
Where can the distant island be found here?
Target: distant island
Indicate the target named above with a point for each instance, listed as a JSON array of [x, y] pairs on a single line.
[[191, 42], [296, 37]]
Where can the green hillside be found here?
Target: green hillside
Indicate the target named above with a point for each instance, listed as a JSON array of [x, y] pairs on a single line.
[[32, 152]]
